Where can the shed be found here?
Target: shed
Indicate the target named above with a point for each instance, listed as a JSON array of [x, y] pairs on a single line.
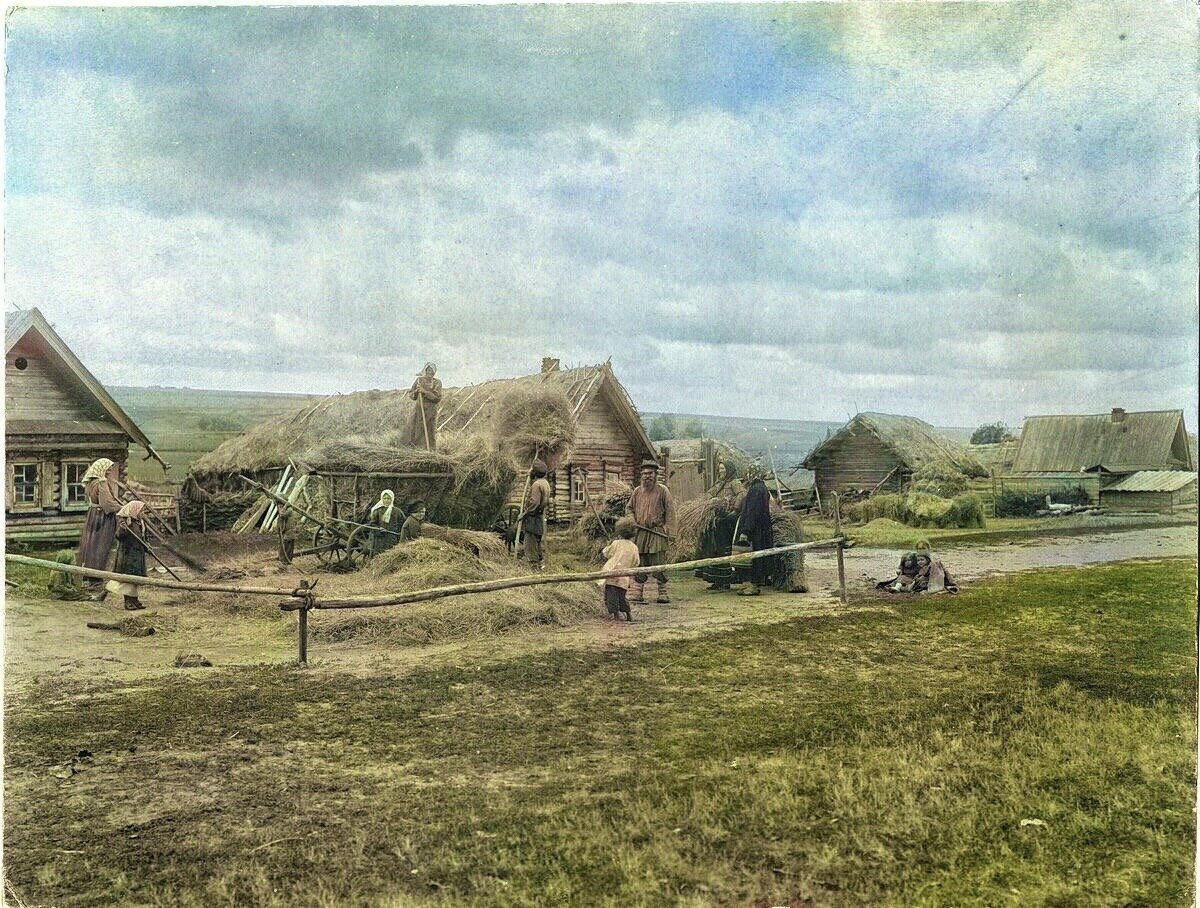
[[1118, 443], [58, 419], [1158, 491], [879, 452]]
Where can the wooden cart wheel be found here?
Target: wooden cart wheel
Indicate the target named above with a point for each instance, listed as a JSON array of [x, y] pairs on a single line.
[[329, 545], [358, 549]]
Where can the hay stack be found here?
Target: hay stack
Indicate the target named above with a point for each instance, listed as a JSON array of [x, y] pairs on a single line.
[[534, 423]]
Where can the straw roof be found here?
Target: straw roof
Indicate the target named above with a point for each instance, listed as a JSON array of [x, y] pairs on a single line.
[[371, 420], [913, 441], [1116, 442]]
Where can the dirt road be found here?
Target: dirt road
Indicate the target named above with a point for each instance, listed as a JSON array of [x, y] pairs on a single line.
[[46, 640]]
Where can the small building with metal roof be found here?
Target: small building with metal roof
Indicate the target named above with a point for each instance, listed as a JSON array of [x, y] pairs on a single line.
[[1157, 491]]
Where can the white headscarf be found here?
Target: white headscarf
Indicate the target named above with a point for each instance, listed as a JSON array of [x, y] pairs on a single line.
[[98, 470], [132, 509], [387, 498]]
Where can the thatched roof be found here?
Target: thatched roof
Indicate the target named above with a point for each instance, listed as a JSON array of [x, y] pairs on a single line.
[[369, 421], [1115, 442], [997, 456], [914, 442]]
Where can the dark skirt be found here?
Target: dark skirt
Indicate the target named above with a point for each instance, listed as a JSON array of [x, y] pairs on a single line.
[[131, 555], [96, 541], [716, 542]]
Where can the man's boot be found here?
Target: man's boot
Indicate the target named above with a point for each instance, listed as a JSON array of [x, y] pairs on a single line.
[[662, 594], [133, 604]]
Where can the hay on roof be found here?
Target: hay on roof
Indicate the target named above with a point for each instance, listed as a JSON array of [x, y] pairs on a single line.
[[529, 423]]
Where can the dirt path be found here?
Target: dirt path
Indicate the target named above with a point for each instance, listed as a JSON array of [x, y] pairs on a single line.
[[45, 640]]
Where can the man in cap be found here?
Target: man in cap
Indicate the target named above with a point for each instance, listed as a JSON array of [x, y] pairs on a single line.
[[533, 514], [652, 510]]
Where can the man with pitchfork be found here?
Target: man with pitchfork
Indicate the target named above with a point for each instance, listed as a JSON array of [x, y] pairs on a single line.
[[653, 511]]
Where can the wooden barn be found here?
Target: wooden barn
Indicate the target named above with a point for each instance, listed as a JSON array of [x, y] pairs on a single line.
[[58, 419], [879, 452], [610, 445]]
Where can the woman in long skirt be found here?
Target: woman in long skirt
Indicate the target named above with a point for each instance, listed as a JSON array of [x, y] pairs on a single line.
[[100, 528], [131, 552]]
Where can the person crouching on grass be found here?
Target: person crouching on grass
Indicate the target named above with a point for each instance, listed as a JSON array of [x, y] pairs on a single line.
[[622, 553], [131, 552]]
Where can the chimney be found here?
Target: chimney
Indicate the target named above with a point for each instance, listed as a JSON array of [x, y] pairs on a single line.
[[1118, 415], [549, 364]]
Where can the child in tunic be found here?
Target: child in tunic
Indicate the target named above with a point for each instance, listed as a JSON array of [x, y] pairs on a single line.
[[621, 553]]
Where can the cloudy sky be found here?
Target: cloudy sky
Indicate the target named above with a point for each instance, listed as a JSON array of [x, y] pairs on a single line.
[[960, 211]]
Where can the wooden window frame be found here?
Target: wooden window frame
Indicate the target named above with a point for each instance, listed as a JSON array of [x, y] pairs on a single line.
[[578, 487], [64, 501], [25, 507]]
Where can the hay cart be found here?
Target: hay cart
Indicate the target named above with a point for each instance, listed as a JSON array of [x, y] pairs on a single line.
[[342, 539]]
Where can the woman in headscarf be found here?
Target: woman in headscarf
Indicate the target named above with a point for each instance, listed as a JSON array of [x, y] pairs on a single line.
[[426, 391], [755, 525], [100, 528], [382, 520], [717, 538], [131, 552]]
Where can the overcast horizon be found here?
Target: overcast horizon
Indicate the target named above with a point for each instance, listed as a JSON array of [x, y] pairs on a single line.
[[960, 212]]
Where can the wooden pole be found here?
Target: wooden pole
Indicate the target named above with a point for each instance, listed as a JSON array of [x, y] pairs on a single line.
[[507, 583], [303, 654], [196, 586], [841, 559]]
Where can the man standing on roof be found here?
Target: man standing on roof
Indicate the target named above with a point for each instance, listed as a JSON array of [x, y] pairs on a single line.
[[653, 511], [533, 515], [426, 391]]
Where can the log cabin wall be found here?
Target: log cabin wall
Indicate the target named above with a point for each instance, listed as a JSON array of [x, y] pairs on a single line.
[[859, 461], [603, 448], [54, 424]]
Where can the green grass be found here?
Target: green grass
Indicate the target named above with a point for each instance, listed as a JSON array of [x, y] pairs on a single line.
[[883, 758], [184, 423]]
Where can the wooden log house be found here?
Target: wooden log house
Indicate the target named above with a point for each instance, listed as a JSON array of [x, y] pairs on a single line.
[[879, 452], [611, 441], [58, 419]]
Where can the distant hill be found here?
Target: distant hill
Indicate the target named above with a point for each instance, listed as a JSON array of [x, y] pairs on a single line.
[[184, 423]]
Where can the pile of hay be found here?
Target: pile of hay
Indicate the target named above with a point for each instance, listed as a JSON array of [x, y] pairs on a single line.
[[427, 562], [920, 509], [529, 423], [599, 522], [695, 518], [480, 543], [942, 478]]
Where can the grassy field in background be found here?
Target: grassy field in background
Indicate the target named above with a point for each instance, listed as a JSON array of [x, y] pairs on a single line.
[[1030, 741], [184, 423]]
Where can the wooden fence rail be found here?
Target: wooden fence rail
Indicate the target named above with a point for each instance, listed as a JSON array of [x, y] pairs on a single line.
[[303, 599]]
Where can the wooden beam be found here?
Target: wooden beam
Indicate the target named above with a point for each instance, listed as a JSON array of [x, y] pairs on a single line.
[[487, 586], [193, 586]]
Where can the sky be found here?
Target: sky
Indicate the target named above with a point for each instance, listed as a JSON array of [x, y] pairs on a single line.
[[964, 212]]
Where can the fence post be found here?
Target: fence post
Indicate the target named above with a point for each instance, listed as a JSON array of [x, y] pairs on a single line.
[[302, 616], [841, 561]]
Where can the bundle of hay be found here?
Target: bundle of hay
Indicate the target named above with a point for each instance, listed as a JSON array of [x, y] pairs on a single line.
[[694, 519], [942, 478], [384, 453], [920, 509], [599, 522], [480, 543], [534, 423]]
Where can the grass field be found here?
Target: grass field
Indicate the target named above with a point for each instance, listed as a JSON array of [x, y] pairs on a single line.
[[1030, 741], [184, 423]]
